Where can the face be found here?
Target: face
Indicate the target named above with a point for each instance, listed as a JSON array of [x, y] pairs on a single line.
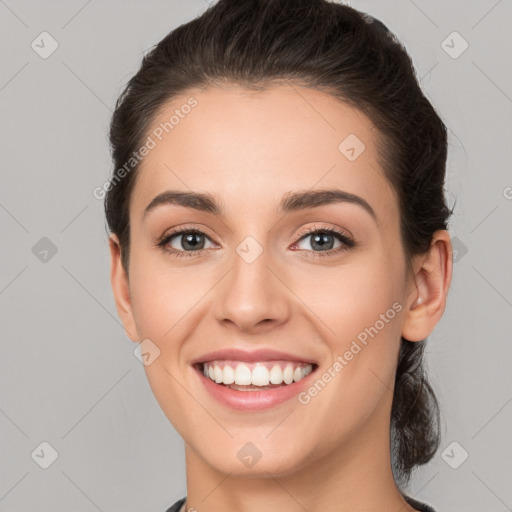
[[315, 283]]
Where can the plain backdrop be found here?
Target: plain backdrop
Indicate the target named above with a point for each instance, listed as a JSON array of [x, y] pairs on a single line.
[[72, 393]]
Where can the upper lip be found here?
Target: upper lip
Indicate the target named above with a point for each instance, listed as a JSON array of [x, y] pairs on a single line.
[[262, 354]]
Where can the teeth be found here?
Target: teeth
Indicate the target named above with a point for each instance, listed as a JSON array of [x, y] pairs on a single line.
[[276, 374], [228, 375], [259, 374], [217, 373], [288, 374], [242, 375]]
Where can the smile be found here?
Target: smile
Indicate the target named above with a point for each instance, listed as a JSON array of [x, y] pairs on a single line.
[[244, 376], [251, 387]]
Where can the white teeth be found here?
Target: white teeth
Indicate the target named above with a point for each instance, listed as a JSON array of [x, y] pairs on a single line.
[[243, 375], [288, 374], [228, 375], [262, 374], [217, 372], [276, 375]]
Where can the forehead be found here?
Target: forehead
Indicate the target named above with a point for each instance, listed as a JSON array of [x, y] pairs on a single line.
[[251, 147]]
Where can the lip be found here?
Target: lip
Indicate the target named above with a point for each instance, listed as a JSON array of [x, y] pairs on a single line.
[[262, 354], [248, 401]]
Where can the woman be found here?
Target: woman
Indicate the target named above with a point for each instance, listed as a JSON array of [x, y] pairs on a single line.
[[279, 249]]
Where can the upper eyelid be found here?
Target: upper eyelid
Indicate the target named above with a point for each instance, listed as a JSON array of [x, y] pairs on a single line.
[[180, 230], [312, 229]]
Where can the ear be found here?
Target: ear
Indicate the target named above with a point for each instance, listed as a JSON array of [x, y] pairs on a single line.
[[121, 288], [427, 298]]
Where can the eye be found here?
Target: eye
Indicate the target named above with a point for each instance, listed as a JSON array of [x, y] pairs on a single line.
[[189, 242], [322, 241]]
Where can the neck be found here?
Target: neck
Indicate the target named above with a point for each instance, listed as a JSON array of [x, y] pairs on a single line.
[[357, 475]]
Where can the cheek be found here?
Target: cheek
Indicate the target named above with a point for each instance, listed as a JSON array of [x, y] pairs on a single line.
[[352, 296], [357, 308], [171, 303], [161, 294], [162, 300]]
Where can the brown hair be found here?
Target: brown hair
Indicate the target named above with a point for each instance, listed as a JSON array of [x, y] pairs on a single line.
[[354, 57]]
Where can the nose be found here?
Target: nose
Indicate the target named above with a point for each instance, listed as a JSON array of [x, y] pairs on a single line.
[[253, 297]]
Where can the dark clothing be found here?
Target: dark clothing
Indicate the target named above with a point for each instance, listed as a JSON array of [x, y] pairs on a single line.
[[176, 507], [418, 505]]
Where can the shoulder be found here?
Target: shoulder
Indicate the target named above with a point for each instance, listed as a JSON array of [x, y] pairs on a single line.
[[177, 506]]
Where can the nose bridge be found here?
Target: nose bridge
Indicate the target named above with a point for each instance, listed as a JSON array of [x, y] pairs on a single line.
[[251, 294]]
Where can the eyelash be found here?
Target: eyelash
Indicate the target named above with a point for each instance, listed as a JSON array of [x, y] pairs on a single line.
[[348, 243]]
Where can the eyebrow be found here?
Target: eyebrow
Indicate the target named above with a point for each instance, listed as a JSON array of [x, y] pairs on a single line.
[[293, 201]]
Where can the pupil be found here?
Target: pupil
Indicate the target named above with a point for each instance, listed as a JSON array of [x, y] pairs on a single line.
[[321, 240], [189, 240]]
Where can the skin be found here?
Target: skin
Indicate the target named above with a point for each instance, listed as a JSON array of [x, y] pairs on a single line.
[[249, 149]]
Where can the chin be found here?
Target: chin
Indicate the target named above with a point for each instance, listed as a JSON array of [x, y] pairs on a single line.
[[250, 462]]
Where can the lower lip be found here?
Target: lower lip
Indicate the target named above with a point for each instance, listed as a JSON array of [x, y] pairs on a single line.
[[253, 400]]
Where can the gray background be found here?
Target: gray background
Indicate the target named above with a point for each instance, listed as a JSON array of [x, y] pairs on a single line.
[[68, 373]]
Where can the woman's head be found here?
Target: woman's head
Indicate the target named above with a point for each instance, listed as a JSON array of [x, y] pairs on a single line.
[[248, 104]]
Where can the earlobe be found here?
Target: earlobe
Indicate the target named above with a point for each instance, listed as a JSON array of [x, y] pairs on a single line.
[[121, 288], [427, 298]]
